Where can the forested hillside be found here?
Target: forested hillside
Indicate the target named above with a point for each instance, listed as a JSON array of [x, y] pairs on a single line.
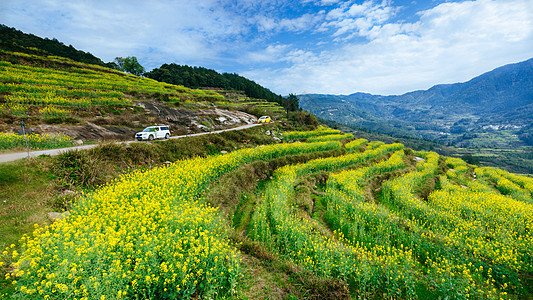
[[196, 77], [16, 40]]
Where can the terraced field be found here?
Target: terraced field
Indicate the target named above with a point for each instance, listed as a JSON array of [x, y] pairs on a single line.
[[328, 216], [266, 108], [80, 85], [55, 91]]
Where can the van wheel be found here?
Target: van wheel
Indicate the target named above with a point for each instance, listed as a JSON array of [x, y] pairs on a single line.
[[151, 138], [167, 136]]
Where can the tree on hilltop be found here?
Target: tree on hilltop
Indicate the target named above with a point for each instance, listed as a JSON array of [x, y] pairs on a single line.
[[129, 64], [291, 103]]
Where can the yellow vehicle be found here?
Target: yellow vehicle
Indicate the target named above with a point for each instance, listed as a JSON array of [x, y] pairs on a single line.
[[264, 119]]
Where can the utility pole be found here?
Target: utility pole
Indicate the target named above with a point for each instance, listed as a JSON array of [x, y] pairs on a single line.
[[25, 139]]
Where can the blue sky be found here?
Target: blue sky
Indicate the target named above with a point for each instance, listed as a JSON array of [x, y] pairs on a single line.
[[306, 46]]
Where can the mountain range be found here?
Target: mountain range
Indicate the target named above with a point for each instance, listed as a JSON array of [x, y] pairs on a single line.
[[501, 99]]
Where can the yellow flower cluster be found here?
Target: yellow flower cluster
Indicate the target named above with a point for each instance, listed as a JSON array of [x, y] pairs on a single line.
[[355, 144], [458, 171], [55, 99], [51, 111], [367, 227], [300, 238], [83, 86], [320, 131], [516, 186], [35, 141], [331, 137], [147, 235], [374, 144], [434, 228], [14, 88], [462, 217], [345, 211], [443, 241], [13, 108], [400, 191]]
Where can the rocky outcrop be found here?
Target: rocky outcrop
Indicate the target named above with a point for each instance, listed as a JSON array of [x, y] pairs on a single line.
[[181, 121], [192, 121]]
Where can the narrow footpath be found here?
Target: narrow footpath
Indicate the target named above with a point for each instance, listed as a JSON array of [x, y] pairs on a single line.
[[19, 155]]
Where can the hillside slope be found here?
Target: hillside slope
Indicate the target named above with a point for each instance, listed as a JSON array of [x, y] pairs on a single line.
[[330, 217], [55, 95], [320, 214]]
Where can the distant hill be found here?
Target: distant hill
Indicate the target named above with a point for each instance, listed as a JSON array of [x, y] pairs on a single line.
[[460, 113], [16, 40]]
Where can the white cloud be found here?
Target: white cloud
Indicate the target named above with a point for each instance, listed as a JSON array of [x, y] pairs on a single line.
[[272, 53], [452, 42], [325, 46], [329, 2], [360, 9], [302, 23], [483, 19], [185, 32], [266, 24], [354, 20], [322, 2]]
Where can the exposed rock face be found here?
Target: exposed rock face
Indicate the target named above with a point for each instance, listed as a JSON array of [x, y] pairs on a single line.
[[192, 121], [181, 121], [88, 132], [225, 118]]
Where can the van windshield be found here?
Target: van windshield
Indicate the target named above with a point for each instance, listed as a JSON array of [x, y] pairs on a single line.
[[149, 129]]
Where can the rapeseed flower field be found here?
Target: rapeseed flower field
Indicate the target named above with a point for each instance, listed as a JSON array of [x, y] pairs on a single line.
[[390, 226], [146, 235], [383, 220]]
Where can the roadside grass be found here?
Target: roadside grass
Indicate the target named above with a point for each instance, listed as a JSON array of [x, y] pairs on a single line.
[[26, 192], [96, 166], [26, 195]]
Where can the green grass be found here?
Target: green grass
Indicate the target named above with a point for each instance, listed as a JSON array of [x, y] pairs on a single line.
[[26, 195]]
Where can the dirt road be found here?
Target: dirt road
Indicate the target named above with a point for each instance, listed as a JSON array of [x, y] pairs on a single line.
[[18, 155]]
